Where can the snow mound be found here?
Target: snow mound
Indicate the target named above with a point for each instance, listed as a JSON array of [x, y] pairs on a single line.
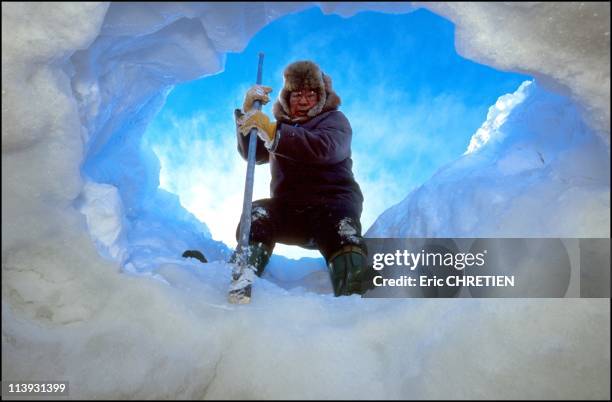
[[533, 169]]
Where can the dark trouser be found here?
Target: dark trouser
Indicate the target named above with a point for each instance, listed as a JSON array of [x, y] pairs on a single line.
[[327, 227]]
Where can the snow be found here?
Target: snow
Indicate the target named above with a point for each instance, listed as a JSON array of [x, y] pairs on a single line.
[[347, 231], [259, 213], [82, 214], [101, 205], [497, 116], [533, 169]]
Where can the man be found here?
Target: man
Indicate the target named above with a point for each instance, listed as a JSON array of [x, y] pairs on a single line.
[[315, 201]]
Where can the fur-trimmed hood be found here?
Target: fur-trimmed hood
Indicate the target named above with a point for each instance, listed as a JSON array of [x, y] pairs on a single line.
[[305, 74]]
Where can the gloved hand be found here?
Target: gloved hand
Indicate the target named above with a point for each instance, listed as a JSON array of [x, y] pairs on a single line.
[[266, 129], [256, 92]]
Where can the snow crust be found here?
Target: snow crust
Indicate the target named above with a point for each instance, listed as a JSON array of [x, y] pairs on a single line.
[[81, 206]]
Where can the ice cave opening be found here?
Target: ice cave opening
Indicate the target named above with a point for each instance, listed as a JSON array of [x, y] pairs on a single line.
[[81, 82], [390, 97]]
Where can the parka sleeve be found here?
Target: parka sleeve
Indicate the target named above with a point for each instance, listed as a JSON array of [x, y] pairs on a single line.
[[261, 156], [327, 143]]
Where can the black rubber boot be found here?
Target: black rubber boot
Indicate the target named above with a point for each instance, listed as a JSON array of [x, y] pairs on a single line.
[[258, 257], [347, 269]]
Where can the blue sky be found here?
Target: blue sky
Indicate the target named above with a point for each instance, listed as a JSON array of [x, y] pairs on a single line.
[[413, 104]]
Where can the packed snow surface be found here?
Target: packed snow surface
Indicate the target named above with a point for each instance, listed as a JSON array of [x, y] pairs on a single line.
[[82, 214]]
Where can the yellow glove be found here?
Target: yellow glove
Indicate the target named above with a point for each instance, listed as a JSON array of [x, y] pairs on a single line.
[[266, 129], [256, 92]]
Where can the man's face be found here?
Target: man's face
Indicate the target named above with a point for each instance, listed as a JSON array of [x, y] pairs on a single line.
[[301, 101]]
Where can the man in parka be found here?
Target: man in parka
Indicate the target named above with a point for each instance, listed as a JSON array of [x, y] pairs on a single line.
[[315, 201]]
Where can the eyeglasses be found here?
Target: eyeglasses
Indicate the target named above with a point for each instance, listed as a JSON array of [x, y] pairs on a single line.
[[308, 95]]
